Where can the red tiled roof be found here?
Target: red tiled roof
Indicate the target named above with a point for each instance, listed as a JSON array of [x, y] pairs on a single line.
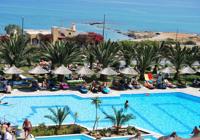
[[61, 35]]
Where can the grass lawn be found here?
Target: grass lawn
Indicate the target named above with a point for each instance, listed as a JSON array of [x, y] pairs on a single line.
[[96, 76]]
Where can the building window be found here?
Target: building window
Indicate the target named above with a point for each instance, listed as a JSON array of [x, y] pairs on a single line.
[[70, 33]]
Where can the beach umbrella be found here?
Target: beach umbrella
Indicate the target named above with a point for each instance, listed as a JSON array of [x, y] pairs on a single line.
[[168, 70], [85, 70], [129, 71], [173, 136], [61, 71], [107, 71], [198, 70], [38, 70], [187, 70], [15, 71]]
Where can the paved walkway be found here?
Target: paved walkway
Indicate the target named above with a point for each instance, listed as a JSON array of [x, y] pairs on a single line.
[[27, 92]]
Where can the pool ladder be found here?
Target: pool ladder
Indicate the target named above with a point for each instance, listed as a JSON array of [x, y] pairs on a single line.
[[9, 115]]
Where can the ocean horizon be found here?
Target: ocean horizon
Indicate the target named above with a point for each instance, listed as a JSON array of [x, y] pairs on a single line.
[[144, 15]]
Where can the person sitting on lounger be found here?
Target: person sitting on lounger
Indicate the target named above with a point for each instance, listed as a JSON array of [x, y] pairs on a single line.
[[80, 77], [44, 83], [70, 66], [195, 82], [99, 66], [103, 86], [84, 86], [147, 84], [93, 86], [195, 131], [76, 66], [4, 78], [135, 82], [116, 85], [159, 81], [126, 105]]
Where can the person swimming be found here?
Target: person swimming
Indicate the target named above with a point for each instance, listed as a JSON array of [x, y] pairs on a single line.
[[126, 105]]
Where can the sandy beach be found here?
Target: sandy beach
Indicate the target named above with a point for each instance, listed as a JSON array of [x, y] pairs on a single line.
[[180, 37]]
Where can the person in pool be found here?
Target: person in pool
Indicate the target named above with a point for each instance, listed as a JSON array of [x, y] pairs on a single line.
[[126, 105]]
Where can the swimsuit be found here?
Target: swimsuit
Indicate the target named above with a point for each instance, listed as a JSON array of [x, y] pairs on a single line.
[[126, 106], [27, 129], [3, 131]]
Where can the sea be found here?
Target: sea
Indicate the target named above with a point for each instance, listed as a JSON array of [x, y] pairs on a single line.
[[124, 15]]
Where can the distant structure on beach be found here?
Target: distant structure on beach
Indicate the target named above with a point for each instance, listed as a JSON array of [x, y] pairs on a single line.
[[55, 32]]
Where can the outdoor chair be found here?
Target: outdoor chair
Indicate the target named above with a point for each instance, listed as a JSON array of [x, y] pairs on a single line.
[[64, 86], [82, 90], [41, 87], [52, 86]]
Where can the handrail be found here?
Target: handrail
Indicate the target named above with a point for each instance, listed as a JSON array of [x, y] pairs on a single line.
[[9, 115]]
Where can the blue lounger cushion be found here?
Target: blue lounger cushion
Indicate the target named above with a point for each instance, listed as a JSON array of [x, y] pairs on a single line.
[[106, 90], [83, 90], [138, 86], [131, 86]]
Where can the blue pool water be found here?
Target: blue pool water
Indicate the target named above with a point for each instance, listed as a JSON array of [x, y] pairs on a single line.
[[162, 113], [143, 15], [82, 137]]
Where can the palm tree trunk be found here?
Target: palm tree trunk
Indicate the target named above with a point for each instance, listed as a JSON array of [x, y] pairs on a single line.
[[91, 62], [15, 77], [142, 76], [103, 77], [128, 62], [60, 77], [155, 70], [53, 66], [177, 75]]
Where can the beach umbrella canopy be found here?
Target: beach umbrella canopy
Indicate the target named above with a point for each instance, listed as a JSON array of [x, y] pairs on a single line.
[[38, 70], [107, 71], [168, 70], [128, 70], [187, 70], [13, 70], [198, 70], [62, 70], [173, 136], [85, 70]]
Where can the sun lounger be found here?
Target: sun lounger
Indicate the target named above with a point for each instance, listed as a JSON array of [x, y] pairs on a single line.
[[68, 78], [150, 76], [34, 85], [75, 81], [169, 84], [20, 83], [147, 78], [41, 87], [136, 86], [148, 86], [52, 87], [82, 90], [180, 84], [24, 78], [160, 85], [64, 86]]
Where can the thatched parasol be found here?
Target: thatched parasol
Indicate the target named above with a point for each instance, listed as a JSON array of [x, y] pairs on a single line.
[[61, 71], [85, 70], [38, 70], [15, 71]]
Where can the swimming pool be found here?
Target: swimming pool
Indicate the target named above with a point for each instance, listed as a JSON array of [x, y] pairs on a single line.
[[84, 137], [161, 112]]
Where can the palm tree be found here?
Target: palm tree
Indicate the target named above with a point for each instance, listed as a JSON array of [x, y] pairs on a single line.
[[119, 118], [60, 53], [75, 116], [97, 102], [160, 48], [97, 121], [192, 55], [145, 56], [89, 57], [106, 54], [16, 50], [59, 116], [124, 52], [178, 57]]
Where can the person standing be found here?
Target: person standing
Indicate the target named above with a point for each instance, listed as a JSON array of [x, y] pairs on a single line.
[[27, 127], [7, 135]]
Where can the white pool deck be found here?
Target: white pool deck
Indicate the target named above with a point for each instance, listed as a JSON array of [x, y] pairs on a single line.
[[114, 93]]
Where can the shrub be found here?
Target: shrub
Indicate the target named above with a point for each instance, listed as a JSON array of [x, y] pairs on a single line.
[[104, 131], [190, 42], [159, 67], [170, 39], [194, 68], [198, 67], [132, 65], [166, 65]]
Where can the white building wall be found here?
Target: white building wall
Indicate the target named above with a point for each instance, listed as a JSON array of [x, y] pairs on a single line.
[[63, 30]]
